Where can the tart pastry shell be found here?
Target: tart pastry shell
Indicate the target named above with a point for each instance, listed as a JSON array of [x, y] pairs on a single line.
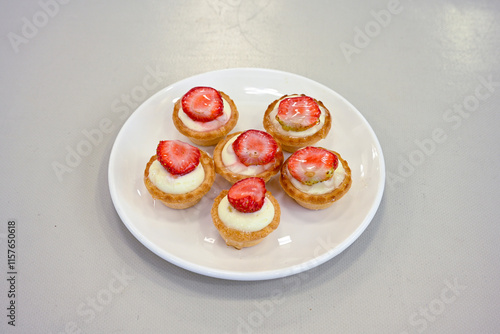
[[316, 202], [206, 138], [291, 143], [183, 201], [232, 177], [239, 239]]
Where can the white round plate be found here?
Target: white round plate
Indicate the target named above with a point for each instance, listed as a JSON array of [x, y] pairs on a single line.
[[188, 238]]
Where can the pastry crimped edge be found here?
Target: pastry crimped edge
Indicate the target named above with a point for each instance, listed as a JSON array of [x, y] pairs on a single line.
[[232, 177], [291, 143], [206, 138], [321, 201], [239, 239], [183, 201]]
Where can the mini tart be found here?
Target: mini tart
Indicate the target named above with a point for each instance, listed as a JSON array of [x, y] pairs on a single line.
[[316, 202], [291, 143], [222, 170], [206, 138], [186, 200], [239, 239]]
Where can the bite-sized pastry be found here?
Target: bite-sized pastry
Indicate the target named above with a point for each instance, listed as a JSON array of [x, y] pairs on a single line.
[[246, 213], [315, 177], [205, 115], [246, 154], [297, 121], [179, 175]]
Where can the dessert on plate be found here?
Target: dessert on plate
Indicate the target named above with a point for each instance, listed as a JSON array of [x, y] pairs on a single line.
[[297, 121], [246, 213], [205, 115], [246, 154], [315, 177], [179, 175]]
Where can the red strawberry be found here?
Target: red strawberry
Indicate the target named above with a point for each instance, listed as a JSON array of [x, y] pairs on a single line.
[[311, 165], [202, 104], [177, 157], [247, 195], [298, 113], [255, 147]]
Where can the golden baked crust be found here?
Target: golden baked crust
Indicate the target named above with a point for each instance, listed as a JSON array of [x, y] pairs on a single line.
[[239, 239], [316, 202], [206, 138], [291, 143], [221, 169], [183, 201]]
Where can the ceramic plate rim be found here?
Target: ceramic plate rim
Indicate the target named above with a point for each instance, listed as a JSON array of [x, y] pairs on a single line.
[[235, 275]]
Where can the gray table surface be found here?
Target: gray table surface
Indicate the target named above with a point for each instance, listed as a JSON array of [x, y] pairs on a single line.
[[425, 74]]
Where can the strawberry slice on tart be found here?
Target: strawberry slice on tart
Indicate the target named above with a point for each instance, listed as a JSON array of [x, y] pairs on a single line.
[[202, 104], [255, 147], [315, 177], [298, 113], [205, 115], [177, 157], [247, 195], [246, 213], [297, 121], [311, 165], [251, 153], [179, 174]]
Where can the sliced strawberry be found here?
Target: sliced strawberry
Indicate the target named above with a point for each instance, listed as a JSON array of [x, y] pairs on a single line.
[[177, 157], [255, 147], [247, 195], [298, 113], [311, 165], [202, 104]]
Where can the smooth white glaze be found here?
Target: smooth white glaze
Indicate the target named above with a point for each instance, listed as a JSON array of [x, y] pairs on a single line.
[[245, 222], [174, 184]]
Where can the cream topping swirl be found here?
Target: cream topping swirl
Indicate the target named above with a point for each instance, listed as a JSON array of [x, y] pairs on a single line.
[[175, 184], [206, 126], [308, 132], [245, 222]]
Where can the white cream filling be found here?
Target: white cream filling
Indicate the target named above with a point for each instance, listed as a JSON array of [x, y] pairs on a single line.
[[231, 161], [174, 184], [206, 126], [246, 222], [308, 132], [320, 187]]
